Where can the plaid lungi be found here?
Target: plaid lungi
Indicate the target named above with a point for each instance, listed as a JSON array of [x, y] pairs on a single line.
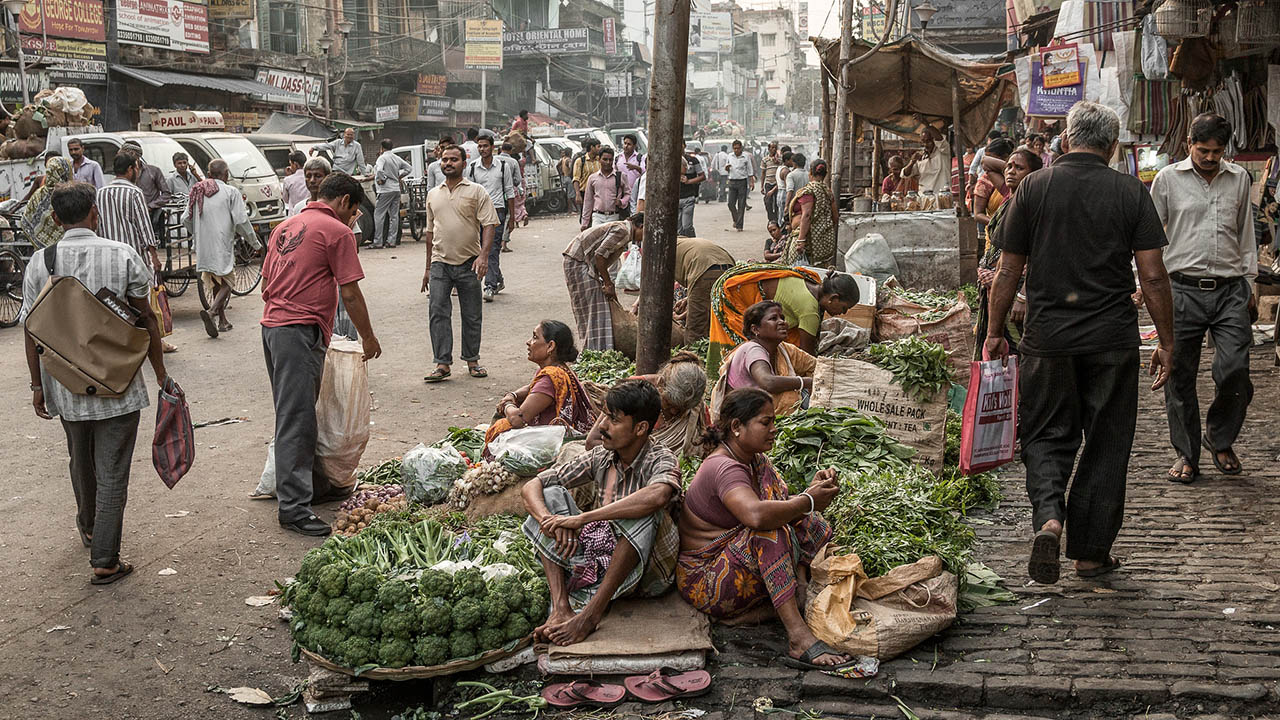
[[655, 538], [590, 306]]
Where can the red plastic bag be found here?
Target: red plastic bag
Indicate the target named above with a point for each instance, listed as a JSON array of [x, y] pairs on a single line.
[[990, 420], [174, 448]]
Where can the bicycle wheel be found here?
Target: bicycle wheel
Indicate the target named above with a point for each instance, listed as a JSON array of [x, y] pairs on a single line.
[[11, 269], [175, 285], [247, 272]]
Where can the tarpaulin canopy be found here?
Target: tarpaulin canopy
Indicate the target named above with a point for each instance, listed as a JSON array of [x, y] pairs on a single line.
[[910, 77]]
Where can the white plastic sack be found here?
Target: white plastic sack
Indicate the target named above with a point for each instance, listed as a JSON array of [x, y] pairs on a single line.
[[871, 255], [1155, 51], [267, 483], [428, 473], [342, 413], [526, 451], [629, 274]]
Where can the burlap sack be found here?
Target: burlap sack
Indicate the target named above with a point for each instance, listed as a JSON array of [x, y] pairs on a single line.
[[872, 391], [626, 332], [883, 617], [897, 318], [509, 501]]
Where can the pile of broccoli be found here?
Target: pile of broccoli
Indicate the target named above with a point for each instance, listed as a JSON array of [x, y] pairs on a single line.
[[356, 616]]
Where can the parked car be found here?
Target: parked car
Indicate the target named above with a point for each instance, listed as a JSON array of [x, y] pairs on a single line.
[[580, 134], [276, 148], [250, 172], [617, 131]]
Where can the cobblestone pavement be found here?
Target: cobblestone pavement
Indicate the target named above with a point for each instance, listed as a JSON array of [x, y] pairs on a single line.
[[1189, 628]]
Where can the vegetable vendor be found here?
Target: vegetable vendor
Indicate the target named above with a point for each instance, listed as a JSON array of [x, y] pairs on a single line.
[[586, 273], [624, 541], [766, 361], [554, 396], [682, 383], [804, 295], [743, 540]]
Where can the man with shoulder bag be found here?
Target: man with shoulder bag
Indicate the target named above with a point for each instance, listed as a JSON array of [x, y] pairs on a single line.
[[75, 378]]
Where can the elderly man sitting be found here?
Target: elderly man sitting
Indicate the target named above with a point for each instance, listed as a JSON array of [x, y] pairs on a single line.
[[624, 542]]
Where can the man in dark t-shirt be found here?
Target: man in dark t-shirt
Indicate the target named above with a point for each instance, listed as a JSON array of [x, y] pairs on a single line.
[[1076, 226]]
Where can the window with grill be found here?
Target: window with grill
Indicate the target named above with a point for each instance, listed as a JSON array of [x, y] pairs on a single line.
[[390, 17], [282, 28], [768, 40]]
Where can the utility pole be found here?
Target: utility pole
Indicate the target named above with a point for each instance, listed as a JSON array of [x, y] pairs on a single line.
[[842, 97], [666, 140]]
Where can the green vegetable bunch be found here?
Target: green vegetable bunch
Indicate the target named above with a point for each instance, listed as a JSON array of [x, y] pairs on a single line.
[[603, 366], [386, 473], [467, 441], [918, 365], [841, 438], [931, 299]]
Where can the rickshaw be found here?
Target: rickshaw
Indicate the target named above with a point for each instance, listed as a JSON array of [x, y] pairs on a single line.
[[178, 254]]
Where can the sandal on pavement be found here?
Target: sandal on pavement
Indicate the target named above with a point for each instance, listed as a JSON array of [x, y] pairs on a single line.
[[1186, 475], [1222, 467], [209, 326], [436, 376], [85, 537], [122, 569], [667, 683], [477, 372], [583, 693], [815, 651], [1043, 565], [1112, 563]]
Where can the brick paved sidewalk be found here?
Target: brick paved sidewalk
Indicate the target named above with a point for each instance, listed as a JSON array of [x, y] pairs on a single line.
[[1190, 627]]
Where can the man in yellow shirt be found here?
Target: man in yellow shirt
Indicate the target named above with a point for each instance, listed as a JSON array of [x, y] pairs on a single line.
[[585, 166]]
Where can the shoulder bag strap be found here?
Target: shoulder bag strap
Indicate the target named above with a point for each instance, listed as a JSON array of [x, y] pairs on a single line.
[[51, 258]]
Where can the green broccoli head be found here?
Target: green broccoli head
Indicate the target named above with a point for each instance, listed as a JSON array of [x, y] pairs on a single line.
[[365, 620], [517, 627], [468, 582], [337, 610], [431, 650], [395, 652], [490, 638], [462, 644], [435, 616], [356, 651], [326, 639], [510, 589], [362, 585], [495, 610], [436, 584], [316, 608], [468, 613], [313, 562], [333, 579], [537, 604], [400, 623], [394, 594], [300, 596]]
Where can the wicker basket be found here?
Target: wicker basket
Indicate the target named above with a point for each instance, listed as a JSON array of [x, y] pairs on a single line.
[[418, 672], [1178, 19], [1258, 22]]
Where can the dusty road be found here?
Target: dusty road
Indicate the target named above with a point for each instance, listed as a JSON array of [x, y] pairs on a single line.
[[149, 646]]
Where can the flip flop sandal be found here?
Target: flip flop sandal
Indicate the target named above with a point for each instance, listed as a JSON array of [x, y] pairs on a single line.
[[1218, 463], [123, 568], [815, 651], [667, 683], [1183, 477], [1112, 563], [436, 376], [477, 372], [1043, 567], [84, 537], [583, 693], [209, 326]]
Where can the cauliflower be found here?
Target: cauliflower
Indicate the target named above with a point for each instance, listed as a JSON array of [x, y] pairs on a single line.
[[431, 650], [435, 616], [462, 644], [468, 613], [394, 593], [356, 651], [333, 579], [362, 585], [517, 627], [399, 623], [336, 611], [468, 583], [395, 652], [365, 620], [490, 638], [436, 584], [495, 610]]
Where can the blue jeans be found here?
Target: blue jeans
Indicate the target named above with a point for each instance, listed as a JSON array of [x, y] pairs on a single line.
[[493, 278], [444, 278]]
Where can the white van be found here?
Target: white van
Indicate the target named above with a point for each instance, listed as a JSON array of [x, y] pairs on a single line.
[[250, 172]]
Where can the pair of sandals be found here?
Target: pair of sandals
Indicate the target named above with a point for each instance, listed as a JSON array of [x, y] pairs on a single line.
[[439, 375], [122, 568], [1044, 567], [1187, 474], [661, 685]]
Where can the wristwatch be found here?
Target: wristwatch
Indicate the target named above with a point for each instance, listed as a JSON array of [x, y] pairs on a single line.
[[35, 387]]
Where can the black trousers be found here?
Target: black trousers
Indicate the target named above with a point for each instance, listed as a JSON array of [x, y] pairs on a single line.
[[1224, 313], [770, 203], [738, 201], [1062, 400]]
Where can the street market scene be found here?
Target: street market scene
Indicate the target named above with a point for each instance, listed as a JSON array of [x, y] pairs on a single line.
[[817, 359]]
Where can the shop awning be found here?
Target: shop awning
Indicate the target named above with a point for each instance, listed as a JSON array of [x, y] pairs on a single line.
[[161, 78], [911, 77]]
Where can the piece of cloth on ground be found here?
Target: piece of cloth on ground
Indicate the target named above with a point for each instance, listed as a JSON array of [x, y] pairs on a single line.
[[640, 627]]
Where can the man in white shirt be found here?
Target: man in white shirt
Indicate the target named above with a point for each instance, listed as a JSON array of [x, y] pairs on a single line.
[[387, 173], [933, 164], [718, 161], [1212, 260], [740, 169], [313, 173], [215, 215], [295, 181], [498, 179], [471, 146], [183, 177], [347, 154]]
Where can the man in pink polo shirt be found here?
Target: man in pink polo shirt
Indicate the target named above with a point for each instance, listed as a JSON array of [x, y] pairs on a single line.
[[311, 258]]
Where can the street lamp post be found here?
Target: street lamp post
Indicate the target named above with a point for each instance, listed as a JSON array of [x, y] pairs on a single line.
[[925, 12], [15, 7], [324, 43]]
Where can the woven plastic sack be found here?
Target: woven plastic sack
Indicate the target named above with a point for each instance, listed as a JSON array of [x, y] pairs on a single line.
[[629, 274], [173, 450]]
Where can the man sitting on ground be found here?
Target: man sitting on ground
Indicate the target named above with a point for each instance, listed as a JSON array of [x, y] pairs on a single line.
[[624, 542]]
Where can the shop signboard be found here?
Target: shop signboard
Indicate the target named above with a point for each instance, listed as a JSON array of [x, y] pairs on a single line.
[[167, 24], [483, 49], [433, 84], [610, 37], [231, 9], [11, 87], [873, 23], [802, 20], [435, 108], [544, 42], [468, 105], [1052, 102], [617, 84], [77, 19], [294, 88], [710, 32], [171, 120], [242, 121], [70, 61], [386, 113]]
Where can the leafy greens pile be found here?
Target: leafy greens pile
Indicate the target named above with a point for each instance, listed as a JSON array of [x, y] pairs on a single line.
[[468, 441], [603, 366], [918, 365], [842, 438]]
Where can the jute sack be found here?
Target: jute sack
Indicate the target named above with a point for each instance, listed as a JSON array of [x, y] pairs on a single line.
[[882, 617], [626, 331], [510, 502], [897, 318], [872, 391]]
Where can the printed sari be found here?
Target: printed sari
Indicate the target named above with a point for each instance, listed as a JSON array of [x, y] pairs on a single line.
[[735, 291], [571, 405], [743, 568], [820, 248]]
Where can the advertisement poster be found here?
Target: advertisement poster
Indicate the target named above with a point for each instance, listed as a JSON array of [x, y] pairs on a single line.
[[78, 19], [710, 32], [69, 61], [167, 24], [386, 113], [483, 49], [1052, 102], [1061, 66]]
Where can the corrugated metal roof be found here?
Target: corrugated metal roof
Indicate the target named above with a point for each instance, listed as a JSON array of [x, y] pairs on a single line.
[[160, 78]]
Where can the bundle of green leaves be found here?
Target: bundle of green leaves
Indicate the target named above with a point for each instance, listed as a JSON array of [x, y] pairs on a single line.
[[840, 438], [603, 366], [918, 365]]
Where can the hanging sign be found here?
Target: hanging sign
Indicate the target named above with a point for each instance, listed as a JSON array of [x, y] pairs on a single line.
[[1061, 65], [1052, 102], [483, 47]]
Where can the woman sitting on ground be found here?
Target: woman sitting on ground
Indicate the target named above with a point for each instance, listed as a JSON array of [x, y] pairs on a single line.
[[766, 361], [682, 383], [776, 246], [554, 396], [743, 540]]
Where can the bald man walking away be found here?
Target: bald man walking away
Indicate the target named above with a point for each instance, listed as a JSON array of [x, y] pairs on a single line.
[[215, 216]]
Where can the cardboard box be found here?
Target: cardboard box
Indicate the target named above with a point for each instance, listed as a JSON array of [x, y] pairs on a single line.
[[864, 313]]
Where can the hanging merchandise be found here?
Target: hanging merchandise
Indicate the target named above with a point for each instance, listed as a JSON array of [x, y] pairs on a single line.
[[1181, 19], [1060, 65], [1155, 52]]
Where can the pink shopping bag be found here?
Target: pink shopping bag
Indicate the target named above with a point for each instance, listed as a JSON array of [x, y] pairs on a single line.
[[990, 420]]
